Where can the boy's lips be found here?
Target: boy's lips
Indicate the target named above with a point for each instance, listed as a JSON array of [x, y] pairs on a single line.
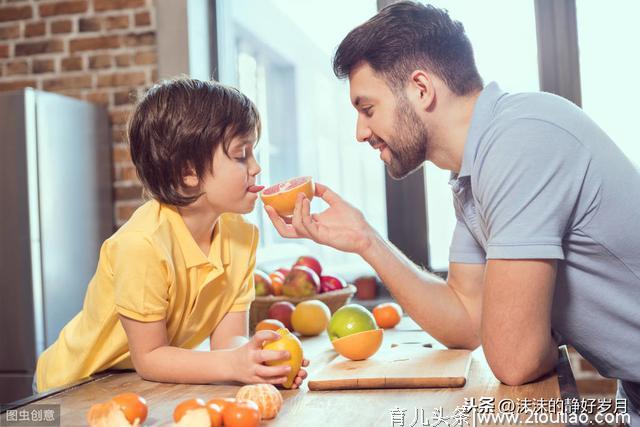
[[255, 188]]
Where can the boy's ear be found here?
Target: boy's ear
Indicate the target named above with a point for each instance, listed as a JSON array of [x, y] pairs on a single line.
[[189, 177]]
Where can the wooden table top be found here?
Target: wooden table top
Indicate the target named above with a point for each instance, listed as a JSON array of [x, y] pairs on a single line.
[[302, 407]]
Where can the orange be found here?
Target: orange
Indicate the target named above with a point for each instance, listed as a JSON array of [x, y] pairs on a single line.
[[387, 314], [310, 317], [133, 406], [290, 343], [359, 346], [282, 196], [266, 396], [269, 324], [243, 413]]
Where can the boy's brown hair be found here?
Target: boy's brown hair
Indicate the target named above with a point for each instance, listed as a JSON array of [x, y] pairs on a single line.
[[178, 125]]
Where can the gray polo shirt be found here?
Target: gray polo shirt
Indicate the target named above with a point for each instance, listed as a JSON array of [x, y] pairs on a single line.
[[540, 180]]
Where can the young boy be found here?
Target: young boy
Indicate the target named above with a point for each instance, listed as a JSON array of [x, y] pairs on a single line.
[[181, 269]]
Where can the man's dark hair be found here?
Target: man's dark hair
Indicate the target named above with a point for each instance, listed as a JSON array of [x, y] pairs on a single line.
[[178, 125], [407, 36]]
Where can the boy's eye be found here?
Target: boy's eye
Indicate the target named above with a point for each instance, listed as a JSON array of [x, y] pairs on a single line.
[[241, 155], [367, 111]]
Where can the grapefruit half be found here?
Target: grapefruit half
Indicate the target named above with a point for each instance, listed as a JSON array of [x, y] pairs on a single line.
[[282, 196]]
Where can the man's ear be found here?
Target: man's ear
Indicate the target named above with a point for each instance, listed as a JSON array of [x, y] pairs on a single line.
[[421, 90]]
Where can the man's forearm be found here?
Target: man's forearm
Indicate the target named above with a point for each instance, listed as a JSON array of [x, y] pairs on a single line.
[[424, 296], [179, 365], [522, 365], [547, 362]]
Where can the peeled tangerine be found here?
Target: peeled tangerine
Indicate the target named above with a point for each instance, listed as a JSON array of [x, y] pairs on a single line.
[[126, 409], [197, 413], [108, 415], [290, 343], [282, 197], [266, 396], [359, 346], [194, 418]]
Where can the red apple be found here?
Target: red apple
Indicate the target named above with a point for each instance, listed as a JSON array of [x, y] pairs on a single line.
[[331, 283], [301, 281], [281, 311], [262, 283], [310, 262]]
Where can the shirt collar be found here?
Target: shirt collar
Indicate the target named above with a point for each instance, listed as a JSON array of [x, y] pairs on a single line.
[[218, 253], [482, 114]]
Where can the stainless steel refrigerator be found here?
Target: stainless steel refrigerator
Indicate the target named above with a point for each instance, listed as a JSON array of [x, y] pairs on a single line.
[[55, 211]]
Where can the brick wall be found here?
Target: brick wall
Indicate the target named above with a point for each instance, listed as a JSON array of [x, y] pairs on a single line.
[[102, 51]]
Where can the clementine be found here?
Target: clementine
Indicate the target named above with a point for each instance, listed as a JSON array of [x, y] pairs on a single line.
[[387, 315], [242, 413]]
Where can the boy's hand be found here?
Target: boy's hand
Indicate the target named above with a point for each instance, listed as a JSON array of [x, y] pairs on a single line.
[[340, 226], [247, 362], [302, 374]]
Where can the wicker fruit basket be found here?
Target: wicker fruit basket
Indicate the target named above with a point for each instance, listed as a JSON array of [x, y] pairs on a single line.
[[333, 299]]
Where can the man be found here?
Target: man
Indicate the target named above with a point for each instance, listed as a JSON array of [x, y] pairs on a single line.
[[546, 250]]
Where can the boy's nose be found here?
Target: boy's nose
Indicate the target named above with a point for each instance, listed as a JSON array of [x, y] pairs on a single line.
[[255, 168]]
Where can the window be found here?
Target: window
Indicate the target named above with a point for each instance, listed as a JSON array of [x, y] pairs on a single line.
[[607, 37], [505, 52], [279, 53]]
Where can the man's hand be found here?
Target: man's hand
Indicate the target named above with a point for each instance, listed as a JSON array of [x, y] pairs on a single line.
[[449, 313], [340, 226]]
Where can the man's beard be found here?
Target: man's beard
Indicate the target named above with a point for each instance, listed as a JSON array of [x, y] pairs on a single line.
[[409, 150]]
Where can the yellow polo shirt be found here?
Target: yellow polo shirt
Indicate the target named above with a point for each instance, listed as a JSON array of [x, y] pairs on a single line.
[[152, 269]]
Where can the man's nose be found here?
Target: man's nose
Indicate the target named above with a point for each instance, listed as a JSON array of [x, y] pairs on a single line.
[[363, 133]]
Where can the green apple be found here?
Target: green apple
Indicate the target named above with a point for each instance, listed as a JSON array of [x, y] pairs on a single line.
[[350, 319]]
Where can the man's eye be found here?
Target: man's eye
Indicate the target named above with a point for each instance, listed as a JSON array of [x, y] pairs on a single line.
[[367, 112]]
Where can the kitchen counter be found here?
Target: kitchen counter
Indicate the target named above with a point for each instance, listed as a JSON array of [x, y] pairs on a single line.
[[379, 407]]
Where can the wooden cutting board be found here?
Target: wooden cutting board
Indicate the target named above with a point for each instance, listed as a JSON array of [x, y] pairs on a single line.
[[405, 365]]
